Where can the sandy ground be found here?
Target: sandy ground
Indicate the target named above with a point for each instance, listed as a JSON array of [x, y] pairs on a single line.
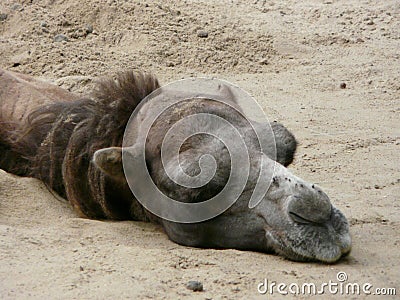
[[292, 57]]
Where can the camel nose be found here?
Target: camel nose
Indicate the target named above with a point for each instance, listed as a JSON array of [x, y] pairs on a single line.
[[310, 207]]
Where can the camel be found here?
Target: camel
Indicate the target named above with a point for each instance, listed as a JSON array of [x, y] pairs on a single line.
[[77, 147]]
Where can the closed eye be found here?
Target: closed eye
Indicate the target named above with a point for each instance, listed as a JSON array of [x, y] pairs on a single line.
[[299, 219]]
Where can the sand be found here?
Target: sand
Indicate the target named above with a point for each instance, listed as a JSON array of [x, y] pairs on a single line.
[[293, 57]]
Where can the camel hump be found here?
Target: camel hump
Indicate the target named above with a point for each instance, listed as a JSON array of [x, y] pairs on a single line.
[[20, 94]]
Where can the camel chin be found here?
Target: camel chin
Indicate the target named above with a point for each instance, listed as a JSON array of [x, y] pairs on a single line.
[[330, 245]]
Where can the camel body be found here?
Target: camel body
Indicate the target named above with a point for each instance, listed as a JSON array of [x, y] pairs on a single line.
[[74, 145]]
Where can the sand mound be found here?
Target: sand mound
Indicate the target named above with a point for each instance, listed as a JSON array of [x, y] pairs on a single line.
[[293, 56]]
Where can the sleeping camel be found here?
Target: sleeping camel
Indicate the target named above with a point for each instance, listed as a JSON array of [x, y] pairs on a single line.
[[75, 146]]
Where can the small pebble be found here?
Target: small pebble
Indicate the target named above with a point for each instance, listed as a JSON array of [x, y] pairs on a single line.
[[202, 34], [3, 17], [60, 38], [195, 286], [343, 85], [17, 6], [43, 24], [89, 29]]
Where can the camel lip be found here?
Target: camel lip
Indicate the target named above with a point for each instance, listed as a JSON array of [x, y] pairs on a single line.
[[277, 244]]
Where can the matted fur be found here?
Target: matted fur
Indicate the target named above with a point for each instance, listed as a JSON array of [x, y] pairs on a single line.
[[57, 142]]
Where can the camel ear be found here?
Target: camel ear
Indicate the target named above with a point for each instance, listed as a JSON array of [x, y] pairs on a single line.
[[280, 145], [109, 161], [286, 144]]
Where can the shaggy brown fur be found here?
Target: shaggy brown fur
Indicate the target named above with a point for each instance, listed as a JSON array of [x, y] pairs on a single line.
[[58, 140]]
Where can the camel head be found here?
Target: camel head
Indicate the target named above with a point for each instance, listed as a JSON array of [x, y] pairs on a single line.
[[295, 218], [213, 185]]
